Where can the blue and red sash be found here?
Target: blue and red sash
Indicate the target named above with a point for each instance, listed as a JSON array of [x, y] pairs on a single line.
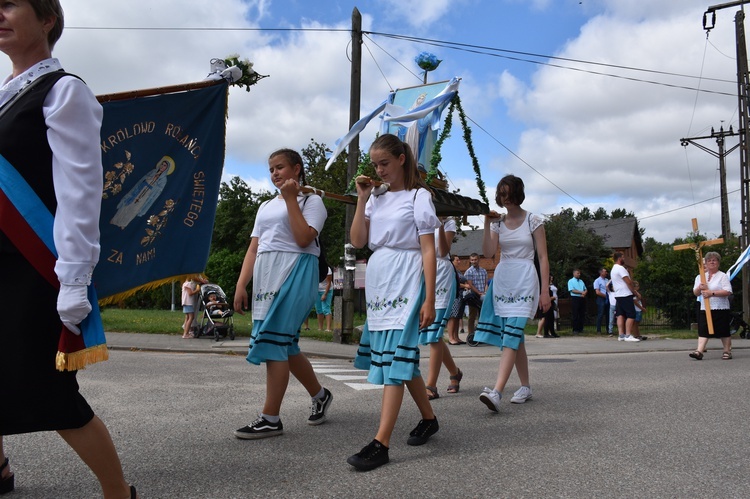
[[28, 224]]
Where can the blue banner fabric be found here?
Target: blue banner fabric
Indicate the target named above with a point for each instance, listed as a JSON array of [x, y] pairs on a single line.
[[163, 158]]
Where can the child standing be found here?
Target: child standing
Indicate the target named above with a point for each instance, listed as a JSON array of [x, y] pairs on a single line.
[[189, 289], [399, 227], [514, 292], [283, 260]]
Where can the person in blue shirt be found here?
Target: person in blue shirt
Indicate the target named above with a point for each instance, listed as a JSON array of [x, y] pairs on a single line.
[[602, 300], [578, 291]]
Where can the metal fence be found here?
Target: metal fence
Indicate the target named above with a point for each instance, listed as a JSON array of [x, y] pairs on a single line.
[[676, 312]]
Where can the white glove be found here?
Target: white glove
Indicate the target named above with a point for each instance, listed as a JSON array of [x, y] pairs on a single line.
[[73, 305]]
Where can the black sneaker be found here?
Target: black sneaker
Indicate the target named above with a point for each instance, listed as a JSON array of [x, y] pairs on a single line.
[[370, 457], [319, 407], [424, 430], [260, 428]]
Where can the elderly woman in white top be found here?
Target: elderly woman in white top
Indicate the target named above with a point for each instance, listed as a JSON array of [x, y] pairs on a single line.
[[716, 290]]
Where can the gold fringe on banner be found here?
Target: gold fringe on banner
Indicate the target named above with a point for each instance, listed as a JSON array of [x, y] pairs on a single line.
[[116, 298], [75, 361]]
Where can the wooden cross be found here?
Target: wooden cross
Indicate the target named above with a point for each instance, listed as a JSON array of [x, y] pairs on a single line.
[[699, 257]]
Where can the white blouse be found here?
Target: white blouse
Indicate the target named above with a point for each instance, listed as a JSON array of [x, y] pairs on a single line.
[[274, 232], [719, 281], [400, 218], [73, 118]]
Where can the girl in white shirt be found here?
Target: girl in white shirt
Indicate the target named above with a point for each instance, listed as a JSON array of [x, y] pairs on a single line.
[[515, 287], [445, 291], [282, 262], [399, 227]]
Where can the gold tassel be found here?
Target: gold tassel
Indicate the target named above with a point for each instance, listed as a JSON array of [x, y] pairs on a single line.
[[113, 299], [75, 361]]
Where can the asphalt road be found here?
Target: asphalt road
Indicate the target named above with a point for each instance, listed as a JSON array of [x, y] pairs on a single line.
[[649, 424]]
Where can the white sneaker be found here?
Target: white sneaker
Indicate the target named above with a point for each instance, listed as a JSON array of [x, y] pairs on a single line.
[[491, 399], [630, 337], [621, 337], [522, 395]]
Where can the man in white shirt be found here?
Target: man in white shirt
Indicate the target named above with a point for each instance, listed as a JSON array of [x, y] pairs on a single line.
[[624, 291]]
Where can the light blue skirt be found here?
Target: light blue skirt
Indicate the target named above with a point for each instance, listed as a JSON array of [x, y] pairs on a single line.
[[498, 331], [392, 356], [436, 330], [277, 336]]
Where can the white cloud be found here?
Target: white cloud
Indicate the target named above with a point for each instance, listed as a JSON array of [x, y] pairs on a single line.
[[615, 143]]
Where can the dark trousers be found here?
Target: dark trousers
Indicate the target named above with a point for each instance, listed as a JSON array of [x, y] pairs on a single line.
[[578, 307], [602, 313], [549, 322]]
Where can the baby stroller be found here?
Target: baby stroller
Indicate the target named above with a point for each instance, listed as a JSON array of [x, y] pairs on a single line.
[[216, 313]]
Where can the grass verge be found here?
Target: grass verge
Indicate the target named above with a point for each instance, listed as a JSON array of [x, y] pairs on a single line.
[[122, 320]]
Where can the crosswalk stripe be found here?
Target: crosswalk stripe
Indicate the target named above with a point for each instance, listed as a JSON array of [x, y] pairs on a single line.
[[347, 377], [338, 370], [364, 386], [344, 373]]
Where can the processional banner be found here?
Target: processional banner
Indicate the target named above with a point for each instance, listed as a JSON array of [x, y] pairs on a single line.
[[163, 157], [419, 133]]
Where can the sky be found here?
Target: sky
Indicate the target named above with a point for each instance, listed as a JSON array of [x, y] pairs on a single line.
[[586, 100]]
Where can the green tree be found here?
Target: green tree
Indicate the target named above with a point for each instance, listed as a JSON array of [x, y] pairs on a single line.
[[235, 217], [334, 180], [584, 214], [601, 214], [570, 246], [667, 277]]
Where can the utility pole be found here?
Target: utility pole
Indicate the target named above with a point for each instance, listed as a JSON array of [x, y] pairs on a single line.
[[743, 93], [721, 154], [347, 316]]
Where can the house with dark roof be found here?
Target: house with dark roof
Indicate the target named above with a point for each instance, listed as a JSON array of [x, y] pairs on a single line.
[[619, 234]]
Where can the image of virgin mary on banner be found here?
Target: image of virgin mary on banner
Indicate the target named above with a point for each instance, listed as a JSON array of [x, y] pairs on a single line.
[[419, 133], [163, 157], [413, 114]]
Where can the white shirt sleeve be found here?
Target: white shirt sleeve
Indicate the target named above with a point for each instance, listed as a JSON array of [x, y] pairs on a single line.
[[424, 213], [74, 118]]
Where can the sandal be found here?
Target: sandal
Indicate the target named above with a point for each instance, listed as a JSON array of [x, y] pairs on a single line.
[[726, 356], [455, 387], [433, 393], [7, 484], [697, 355]]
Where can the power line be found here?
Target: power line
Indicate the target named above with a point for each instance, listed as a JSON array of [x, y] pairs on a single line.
[[559, 66], [686, 206], [449, 44], [465, 47], [201, 28]]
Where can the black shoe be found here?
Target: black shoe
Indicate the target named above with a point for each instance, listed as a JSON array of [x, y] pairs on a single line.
[[424, 430], [554, 335], [260, 428], [370, 457], [7, 484], [319, 407]]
